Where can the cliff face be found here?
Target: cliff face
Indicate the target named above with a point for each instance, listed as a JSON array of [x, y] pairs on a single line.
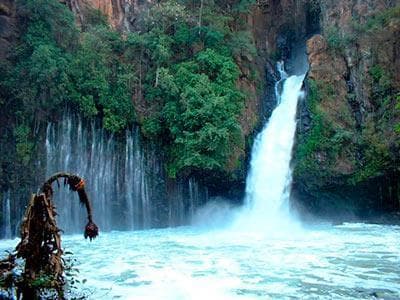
[[348, 159], [121, 14], [276, 24]]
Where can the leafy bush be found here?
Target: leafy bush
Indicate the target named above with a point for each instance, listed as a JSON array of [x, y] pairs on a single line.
[[382, 19], [201, 110], [337, 41], [53, 66]]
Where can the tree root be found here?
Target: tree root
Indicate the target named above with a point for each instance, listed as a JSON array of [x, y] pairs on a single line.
[[40, 244]]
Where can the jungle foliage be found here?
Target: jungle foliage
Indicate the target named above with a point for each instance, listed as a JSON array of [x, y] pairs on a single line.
[[180, 67]]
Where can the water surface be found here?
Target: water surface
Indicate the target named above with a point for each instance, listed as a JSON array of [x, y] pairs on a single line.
[[351, 261]]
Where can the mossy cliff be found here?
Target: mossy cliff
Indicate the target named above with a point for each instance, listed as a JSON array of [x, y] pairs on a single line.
[[347, 154]]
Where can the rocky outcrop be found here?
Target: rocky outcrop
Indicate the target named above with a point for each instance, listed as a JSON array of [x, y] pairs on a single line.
[[352, 144], [277, 24], [121, 14]]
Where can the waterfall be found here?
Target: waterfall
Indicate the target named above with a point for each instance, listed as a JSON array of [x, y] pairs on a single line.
[[125, 181], [137, 189], [6, 215], [188, 196], [269, 179], [115, 182], [197, 197]]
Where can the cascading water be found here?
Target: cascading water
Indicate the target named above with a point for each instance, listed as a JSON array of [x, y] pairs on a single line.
[[193, 197], [88, 153], [124, 181], [269, 179], [137, 189], [6, 214]]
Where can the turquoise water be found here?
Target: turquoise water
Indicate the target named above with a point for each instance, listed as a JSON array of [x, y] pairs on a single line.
[[351, 261]]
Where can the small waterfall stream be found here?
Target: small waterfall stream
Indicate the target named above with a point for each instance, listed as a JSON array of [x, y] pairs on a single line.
[[6, 215], [269, 179], [137, 190]]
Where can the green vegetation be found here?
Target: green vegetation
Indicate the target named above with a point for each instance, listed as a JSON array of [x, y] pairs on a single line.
[[378, 134], [187, 54], [328, 144], [337, 40], [201, 113], [55, 65], [319, 148], [24, 145], [319, 136], [333, 38], [180, 68], [377, 21], [102, 80], [397, 126]]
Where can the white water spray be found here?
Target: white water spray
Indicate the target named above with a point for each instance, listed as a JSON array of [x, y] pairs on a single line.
[[270, 176]]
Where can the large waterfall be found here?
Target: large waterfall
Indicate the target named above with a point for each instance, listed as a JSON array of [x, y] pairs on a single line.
[[269, 179], [125, 181]]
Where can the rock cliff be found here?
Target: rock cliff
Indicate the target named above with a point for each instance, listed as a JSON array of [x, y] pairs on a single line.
[[348, 160], [121, 14]]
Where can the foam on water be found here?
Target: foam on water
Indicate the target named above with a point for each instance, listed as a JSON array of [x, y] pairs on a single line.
[[351, 261]]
